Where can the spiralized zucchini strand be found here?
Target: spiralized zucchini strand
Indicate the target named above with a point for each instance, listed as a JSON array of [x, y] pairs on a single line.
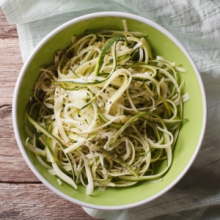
[[107, 113]]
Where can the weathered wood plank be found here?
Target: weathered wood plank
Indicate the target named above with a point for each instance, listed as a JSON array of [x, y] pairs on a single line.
[[35, 201], [6, 30], [13, 166]]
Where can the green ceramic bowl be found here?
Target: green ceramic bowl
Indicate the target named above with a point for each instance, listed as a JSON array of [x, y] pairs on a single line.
[[191, 135]]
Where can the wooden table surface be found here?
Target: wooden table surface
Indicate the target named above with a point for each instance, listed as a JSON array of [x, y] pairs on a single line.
[[22, 195]]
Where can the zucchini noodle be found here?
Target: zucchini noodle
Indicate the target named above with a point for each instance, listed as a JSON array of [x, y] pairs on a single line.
[[106, 113]]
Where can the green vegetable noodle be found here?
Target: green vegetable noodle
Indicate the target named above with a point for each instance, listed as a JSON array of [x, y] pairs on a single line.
[[107, 113]]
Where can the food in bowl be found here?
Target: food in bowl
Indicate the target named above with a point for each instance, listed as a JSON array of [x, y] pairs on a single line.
[[106, 111], [164, 47]]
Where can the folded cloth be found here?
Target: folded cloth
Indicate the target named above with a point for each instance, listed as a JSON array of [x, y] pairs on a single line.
[[196, 24]]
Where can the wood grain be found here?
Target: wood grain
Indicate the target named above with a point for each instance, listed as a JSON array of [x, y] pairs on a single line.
[[14, 168], [22, 196], [6, 30], [35, 201]]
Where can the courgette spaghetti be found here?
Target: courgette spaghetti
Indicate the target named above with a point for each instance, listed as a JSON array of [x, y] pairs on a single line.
[[107, 112]]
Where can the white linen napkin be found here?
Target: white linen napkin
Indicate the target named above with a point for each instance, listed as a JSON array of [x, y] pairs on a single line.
[[196, 24]]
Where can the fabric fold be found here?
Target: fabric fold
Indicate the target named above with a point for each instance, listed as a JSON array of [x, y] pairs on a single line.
[[23, 11]]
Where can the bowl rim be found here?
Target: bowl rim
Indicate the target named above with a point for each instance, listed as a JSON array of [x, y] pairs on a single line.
[[29, 59]]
